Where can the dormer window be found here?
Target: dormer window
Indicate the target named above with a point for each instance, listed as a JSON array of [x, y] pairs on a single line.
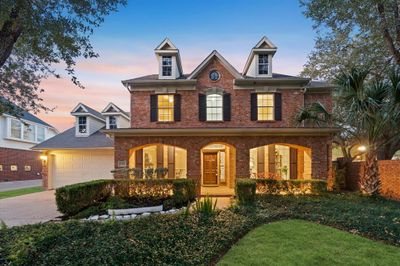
[[167, 66], [112, 122], [263, 64], [82, 124]]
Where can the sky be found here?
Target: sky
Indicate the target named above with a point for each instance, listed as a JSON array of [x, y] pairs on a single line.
[[126, 40]]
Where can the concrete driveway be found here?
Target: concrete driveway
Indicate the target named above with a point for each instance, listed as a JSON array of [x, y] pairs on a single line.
[[29, 209]]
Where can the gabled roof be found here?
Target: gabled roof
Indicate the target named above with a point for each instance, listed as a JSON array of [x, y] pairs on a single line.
[[208, 59], [166, 44], [264, 45], [68, 140], [83, 108], [113, 108]]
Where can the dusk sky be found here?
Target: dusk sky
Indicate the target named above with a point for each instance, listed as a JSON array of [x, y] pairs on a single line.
[[127, 38]]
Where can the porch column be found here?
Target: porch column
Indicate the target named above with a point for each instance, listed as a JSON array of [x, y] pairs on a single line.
[[242, 161], [121, 156], [194, 166], [320, 163]]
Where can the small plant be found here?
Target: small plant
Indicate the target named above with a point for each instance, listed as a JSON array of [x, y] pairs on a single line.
[[137, 173], [149, 173], [246, 191], [205, 207], [186, 212], [161, 172], [3, 225]]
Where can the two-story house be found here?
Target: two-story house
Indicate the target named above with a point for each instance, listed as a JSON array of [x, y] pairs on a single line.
[[216, 124], [17, 136], [82, 153]]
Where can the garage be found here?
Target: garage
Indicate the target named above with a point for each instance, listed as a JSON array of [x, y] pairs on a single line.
[[69, 167]]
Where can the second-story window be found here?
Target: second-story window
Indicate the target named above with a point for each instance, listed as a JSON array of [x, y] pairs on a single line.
[[16, 127], [167, 66], [165, 106], [112, 122], [263, 64], [82, 124], [29, 132], [214, 107], [265, 107], [40, 134]]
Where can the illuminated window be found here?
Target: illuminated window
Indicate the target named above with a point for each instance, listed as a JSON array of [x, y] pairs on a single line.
[[265, 107], [165, 108], [214, 107], [167, 66], [263, 64]]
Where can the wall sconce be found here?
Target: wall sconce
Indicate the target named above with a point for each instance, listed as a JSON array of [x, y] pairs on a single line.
[[362, 148], [43, 158]]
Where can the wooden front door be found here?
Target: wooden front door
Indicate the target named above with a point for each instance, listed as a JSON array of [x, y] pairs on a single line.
[[210, 169]]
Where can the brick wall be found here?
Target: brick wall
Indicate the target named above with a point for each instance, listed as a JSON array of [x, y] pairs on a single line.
[[19, 158], [292, 100], [390, 177]]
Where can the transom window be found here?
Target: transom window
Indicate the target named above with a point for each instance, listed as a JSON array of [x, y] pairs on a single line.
[[167, 66], [263, 64], [265, 107], [112, 122], [82, 124], [214, 107], [165, 108]]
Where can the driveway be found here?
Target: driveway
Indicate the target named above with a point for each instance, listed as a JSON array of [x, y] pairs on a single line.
[[6, 186], [29, 209]]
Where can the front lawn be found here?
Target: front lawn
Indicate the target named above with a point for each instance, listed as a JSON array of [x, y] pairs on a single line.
[[296, 242], [192, 240], [19, 192]]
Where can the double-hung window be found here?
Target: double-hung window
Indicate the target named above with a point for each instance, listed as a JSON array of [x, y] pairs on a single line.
[[82, 124], [214, 105], [112, 122], [16, 127], [165, 108], [40, 134], [265, 107], [167, 66], [263, 64], [29, 132]]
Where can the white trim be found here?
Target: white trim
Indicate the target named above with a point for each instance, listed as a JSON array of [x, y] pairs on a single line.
[[163, 43], [23, 123], [105, 113], [264, 39], [77, 107], [256, 50]]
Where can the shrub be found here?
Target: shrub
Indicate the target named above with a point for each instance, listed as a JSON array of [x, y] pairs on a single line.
[[184, 191], [297, 186], [205, 207], [246, 191], [73, 198]]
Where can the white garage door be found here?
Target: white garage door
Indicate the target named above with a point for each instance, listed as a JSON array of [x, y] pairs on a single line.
[[70, 167]]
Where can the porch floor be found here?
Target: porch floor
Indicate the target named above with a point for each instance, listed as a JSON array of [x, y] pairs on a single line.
[[218, 191]]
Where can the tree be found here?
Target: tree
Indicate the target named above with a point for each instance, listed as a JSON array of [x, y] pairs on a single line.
[[371, 115], [35, 35], [353, 33]]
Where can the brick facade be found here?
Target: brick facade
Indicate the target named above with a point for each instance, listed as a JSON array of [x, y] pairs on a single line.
[[389, 172], [22, 159]]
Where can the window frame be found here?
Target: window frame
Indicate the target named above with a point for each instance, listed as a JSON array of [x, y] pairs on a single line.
[[218, 109], [23, 125], [272, 107], [166, 69], [113, 125], [170, 107], [262, 64], [85, 125], [37, 134]]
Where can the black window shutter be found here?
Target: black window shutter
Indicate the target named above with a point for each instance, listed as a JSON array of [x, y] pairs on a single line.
[[153, 108], [202, 107], [278, 106], [253, 107], [226, 103], [177, 107]]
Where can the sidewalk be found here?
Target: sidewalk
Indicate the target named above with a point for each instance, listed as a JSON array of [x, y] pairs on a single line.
[[6, 186]]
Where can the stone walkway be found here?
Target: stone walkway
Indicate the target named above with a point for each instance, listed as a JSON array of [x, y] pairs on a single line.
[[6, 186], [29, 209]]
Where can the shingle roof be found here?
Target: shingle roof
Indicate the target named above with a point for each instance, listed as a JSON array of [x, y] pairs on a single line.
[[68, 140], [152, 77], [92, 111]]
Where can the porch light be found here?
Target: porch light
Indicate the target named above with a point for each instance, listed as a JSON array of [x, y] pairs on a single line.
[[43, 157], [362, 148]]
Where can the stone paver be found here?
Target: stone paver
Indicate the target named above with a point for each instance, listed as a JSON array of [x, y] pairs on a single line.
[[6, 186], [29, 209]]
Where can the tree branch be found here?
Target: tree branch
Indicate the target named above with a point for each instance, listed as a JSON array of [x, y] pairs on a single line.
[[386, 34]]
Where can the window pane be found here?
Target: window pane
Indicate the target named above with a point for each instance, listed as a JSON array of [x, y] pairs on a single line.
[[166, 65], [214, 107], [263, 64], [16, 128], [112, 122], [40, 134], [265, 106], [29, 132], [82, 124], [165, 108]]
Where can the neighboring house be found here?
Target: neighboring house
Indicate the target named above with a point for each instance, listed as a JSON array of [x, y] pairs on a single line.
[[17, 136], [83, 152], [216, 124]]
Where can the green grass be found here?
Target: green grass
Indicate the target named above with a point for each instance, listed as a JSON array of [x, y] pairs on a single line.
[[296, 242], [19, 192]]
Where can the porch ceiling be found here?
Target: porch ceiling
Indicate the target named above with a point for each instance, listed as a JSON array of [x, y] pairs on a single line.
[[221, 131]]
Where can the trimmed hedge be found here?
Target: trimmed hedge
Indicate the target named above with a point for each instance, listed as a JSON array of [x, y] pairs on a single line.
[[74, 198], [295, 186], [246, 191]]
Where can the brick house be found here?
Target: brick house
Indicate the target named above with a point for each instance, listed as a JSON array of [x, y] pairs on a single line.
[[217, 124]]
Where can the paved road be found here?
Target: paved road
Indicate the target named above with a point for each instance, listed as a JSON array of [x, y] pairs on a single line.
[[5, 186], [29, 209]]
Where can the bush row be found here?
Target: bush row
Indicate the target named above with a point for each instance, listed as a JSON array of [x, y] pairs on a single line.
[[246, 188], [74, 198]]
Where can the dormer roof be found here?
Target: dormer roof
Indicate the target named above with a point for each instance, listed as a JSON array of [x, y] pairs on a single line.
[[112, 109], [83, 109], [208, 59], [166, 47], [263, 46], [166, 44]]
